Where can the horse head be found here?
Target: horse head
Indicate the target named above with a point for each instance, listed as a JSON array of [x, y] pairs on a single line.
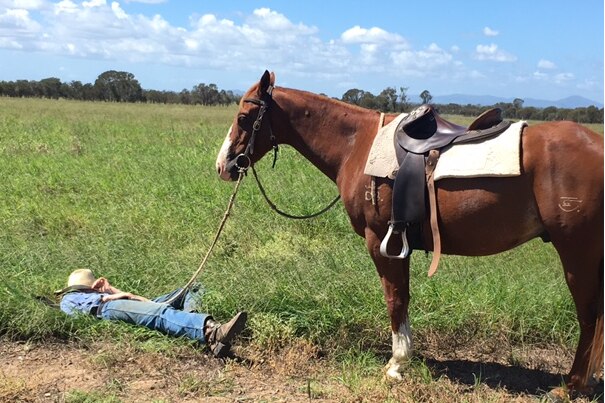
[[250, 136]]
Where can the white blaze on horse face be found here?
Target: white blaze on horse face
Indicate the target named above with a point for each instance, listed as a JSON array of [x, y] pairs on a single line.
[[402, 351], [221, 160]]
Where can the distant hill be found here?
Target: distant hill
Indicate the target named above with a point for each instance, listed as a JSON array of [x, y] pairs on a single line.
[[575, 101]]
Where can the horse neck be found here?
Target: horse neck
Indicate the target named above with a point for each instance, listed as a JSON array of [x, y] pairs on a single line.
[[323, 130]]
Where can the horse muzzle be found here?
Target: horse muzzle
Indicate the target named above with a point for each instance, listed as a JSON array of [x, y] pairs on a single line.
[[231, 168]]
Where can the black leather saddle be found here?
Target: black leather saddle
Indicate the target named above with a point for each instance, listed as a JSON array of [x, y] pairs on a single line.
[[420, 134], [424, 129]]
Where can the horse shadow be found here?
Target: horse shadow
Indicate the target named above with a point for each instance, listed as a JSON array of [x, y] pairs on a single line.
[[514, 378]]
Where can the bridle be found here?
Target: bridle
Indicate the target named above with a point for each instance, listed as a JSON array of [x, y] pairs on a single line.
[[243, 160], [256, 126]]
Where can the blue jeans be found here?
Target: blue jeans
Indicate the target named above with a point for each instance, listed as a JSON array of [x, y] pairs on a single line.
[[175, 319]]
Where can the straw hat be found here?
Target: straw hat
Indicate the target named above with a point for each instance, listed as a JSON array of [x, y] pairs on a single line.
[[80, 279]]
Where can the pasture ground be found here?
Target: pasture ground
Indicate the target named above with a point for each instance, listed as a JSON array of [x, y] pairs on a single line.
[[100, 372], [131, 192]]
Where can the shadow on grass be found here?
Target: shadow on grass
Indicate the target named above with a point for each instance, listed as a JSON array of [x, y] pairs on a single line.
[[515, 379]]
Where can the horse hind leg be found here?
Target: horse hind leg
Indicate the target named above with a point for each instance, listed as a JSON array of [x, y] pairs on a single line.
[[584, 276], [596, 357]]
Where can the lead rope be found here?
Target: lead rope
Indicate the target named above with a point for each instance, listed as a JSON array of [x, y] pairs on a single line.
[[218, 233]]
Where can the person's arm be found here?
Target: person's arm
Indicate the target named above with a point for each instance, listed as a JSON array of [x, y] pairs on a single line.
[[103, 286], [123, 295], [68, 306]]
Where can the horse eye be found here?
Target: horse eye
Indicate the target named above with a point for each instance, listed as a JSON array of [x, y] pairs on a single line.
[[241, 121]]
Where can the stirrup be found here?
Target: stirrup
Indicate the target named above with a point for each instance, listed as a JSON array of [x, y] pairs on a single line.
[[405, 250]]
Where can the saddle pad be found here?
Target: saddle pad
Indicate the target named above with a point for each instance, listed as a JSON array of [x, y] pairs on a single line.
[[382, 160], [496, 156]]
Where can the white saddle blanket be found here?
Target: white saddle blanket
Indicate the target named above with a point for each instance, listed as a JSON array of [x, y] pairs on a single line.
[[496, 156]]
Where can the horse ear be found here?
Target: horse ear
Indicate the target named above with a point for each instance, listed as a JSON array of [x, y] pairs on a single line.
[[268, 79]]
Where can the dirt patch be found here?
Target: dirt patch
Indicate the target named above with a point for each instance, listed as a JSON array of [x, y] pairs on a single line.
[[57, 372]]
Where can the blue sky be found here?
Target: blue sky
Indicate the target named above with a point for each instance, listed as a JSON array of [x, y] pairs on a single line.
[[547, 49]]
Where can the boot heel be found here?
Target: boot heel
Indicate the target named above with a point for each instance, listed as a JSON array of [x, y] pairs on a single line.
[[221, 350]]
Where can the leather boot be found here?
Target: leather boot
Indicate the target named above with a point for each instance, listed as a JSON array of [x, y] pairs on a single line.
[[219, 336]]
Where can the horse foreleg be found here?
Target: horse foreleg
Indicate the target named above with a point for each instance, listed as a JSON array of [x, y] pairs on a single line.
[[395, 278]]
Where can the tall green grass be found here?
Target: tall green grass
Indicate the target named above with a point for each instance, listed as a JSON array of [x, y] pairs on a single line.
[[131, 192]]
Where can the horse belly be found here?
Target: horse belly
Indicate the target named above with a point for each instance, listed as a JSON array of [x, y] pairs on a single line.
[[484, 216]]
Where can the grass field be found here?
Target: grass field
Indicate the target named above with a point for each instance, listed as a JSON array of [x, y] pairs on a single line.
[[131, 192]]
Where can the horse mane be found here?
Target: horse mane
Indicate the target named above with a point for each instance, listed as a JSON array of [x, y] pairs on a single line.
[[325, 98]]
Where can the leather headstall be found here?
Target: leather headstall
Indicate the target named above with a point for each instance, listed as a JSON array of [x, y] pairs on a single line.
[[256, 127]]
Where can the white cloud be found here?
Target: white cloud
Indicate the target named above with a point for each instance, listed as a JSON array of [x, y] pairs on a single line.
[[587, 85], [368, 52], [117, 10], [65, 6], [556, 79], [17, 22], [491, 52], [23, 4], [9, 44], [546, 64], [147, 1], [94, 3], [422, 62], [275, 21], [563, 77], [539, 75], [375, 35], [476, 74], [487, 31], [102, 29]]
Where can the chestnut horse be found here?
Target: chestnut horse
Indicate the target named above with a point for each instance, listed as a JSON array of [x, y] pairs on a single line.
[[558, 196]]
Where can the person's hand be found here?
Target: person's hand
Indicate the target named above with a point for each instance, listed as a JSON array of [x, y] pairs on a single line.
[[103, 286]]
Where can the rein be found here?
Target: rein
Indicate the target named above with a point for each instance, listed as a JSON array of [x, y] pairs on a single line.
[[243, 161], [218, 233], [283, 213]]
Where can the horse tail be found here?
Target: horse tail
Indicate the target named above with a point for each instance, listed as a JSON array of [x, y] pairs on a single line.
[[595, 361]]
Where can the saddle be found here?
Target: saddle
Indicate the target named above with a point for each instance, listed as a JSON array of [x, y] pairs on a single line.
[[419, 139]]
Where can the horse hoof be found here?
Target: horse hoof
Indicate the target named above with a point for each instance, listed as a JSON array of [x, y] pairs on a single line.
[[557, 395], [593, 386], [393, 372], [394, 375]]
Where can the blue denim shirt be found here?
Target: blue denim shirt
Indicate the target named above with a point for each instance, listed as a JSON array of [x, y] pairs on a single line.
[[84, 302]]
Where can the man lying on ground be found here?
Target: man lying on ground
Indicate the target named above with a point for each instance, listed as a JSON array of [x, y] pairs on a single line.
[[87, 294]]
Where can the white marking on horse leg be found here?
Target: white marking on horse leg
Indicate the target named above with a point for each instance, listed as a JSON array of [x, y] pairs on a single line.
[[402, 351], [221, 160]]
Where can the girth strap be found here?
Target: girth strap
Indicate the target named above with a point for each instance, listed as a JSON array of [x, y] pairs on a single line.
[[431, 163]]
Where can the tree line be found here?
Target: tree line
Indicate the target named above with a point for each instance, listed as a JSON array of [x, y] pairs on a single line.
[[121, 86], [391, 100], [116, 86]]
